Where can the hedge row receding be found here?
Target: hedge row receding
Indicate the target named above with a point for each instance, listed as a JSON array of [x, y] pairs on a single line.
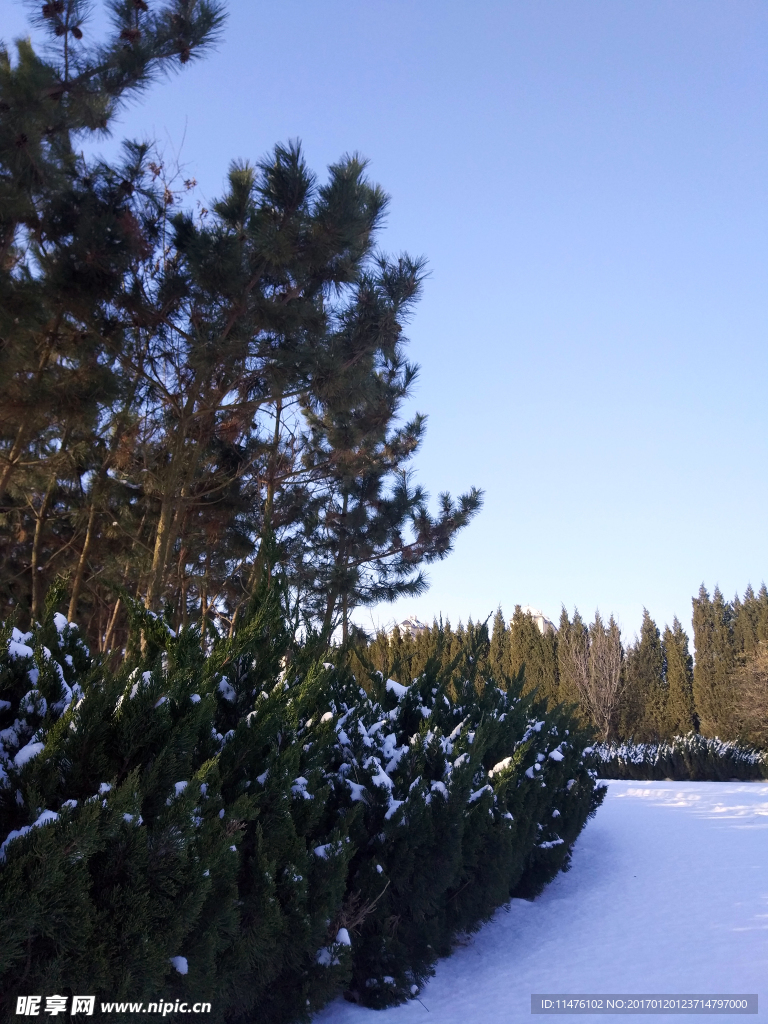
[[231, 821], [686, 758]]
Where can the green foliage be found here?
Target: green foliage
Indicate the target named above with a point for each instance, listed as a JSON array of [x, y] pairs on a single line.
[[190, 396], [470, 794], [234, 801], [686, 758], [534, 655], [681, 715], [645, 698], [715, 662]]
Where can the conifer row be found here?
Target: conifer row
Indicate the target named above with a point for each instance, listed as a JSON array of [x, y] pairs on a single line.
[[234, 821], [647, 691]]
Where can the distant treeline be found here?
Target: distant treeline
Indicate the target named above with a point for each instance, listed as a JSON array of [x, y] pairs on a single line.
[[649, 690]]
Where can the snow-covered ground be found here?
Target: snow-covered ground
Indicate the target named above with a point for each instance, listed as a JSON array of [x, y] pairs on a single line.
[[668, 893]]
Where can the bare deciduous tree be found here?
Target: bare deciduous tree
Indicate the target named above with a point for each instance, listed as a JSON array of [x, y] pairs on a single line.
[[605, 675], [592, 659], [750, 697]]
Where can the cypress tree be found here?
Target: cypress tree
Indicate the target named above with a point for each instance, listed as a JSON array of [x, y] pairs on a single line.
[[681, 715], [533, 654], [499, 650], [750, 622], [762, 618], [646, 692], [715, 662]]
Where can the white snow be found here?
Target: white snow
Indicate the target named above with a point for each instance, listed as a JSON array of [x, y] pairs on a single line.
[[43, 819], [60, 621], [478, 793], [498, 767], [180, 963], [17, 649], [299, 788], [397, 688], [668, 893], [27, 753], [227, 691], [358, 791]]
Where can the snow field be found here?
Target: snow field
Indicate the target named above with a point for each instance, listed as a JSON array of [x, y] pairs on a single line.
[[668, 893]]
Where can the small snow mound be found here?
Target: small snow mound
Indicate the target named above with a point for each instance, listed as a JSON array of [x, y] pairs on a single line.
[[358, 791], [180, 963], [343, 937], [227, 691], [325, 958], [44, 819], [478, 793], [27, 753], [397, 688], [299, 788], [16, 649], [500, 766]]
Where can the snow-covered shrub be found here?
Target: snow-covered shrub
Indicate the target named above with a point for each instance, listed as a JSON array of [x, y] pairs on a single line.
[[454, 807], [690, 757], [267, 821]]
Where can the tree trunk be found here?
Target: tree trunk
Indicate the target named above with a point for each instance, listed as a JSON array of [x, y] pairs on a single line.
[[36, 543], [5, 476], [111, 627], [80, 572]]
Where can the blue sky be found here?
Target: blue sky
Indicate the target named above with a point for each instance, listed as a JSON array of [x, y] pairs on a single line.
[[588, 183]]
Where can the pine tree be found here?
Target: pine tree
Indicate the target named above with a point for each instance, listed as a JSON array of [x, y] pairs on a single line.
[[368, 529], [71, 234]]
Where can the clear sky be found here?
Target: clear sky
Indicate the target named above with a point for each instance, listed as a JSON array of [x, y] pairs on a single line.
[[588, 182]]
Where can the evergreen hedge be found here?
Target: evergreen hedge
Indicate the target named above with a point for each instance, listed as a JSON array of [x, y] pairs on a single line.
[[232, 820], [686, 758]]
